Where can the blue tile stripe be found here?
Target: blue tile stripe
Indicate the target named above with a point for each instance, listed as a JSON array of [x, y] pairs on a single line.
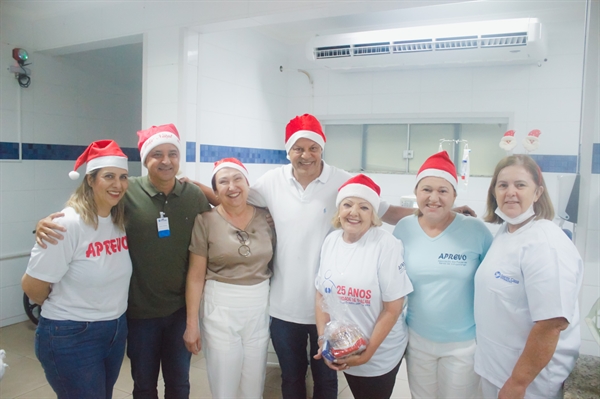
[[53, 152], [596, 158], [190, 151], [556, 163], [9, 150], [213, 153]]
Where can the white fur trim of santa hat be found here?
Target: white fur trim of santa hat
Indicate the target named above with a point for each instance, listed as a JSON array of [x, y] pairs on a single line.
[[360, 186], [155, 136], [307, 134], [439, 165], [304, 126], [100, 154], [233, 163]]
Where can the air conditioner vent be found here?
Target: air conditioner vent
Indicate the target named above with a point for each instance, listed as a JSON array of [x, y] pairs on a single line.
[[332, 52], [456, 43], [480, 42], [371, 48], [504, 40], [411, 46]]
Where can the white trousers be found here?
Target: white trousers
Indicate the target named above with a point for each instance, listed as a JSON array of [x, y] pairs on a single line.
[[441, 370], [490, 391], [234, 326]]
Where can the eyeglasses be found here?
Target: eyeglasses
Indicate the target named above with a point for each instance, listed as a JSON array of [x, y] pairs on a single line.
[[244, 238]]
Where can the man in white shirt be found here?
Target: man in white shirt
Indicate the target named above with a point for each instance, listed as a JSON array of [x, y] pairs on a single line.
[[301, 199]]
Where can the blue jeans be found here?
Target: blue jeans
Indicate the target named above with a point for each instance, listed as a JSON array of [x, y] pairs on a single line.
[[289, 340], [157, 342], [81, 359]]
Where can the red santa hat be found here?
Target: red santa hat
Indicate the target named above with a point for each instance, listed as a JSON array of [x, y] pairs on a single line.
[[100, 154], [360, 186], [229, 163], [439, 165], [305, 126], [508, 142], [155, 136]]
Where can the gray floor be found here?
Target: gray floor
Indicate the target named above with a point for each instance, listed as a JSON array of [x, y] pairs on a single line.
[[24, 378]]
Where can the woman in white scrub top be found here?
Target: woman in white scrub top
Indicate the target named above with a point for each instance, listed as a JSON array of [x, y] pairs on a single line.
[[526, 308]]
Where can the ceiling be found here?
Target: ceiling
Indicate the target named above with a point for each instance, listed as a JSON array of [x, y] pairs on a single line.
[[302, 31], [39, 9], [298, 24], [123, 62]]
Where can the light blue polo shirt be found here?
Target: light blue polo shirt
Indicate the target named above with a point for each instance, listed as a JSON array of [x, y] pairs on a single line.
[[442, 271]]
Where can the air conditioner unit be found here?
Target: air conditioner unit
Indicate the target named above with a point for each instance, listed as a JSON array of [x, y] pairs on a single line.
[[488, 42]]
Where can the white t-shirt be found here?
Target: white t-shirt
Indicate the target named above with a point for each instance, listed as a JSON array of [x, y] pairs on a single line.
[[89, 271], [365, 274], [530, 275], [302, 221]]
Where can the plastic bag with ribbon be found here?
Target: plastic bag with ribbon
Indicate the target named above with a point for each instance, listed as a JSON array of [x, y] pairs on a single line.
[[342, 337]]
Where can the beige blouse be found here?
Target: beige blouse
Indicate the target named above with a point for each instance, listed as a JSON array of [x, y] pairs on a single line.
[[218, 241]]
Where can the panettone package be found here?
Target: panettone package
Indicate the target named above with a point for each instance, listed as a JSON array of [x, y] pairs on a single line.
[[342, 337]]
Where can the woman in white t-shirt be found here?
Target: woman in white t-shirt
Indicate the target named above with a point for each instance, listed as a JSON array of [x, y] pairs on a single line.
[[526, 308], [82, 282], [363, 265]]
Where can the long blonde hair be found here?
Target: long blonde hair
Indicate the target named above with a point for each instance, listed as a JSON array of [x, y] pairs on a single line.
[[82, 200]]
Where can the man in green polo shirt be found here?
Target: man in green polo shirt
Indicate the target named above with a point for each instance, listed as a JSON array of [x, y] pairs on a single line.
[[160, 212]]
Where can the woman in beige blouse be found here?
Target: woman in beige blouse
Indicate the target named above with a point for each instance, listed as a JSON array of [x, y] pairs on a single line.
[[230, 252]]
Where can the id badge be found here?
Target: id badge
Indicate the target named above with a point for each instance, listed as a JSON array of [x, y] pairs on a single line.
[[163, 226]]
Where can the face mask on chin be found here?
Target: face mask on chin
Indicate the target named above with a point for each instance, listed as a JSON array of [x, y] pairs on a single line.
[[517, 219]]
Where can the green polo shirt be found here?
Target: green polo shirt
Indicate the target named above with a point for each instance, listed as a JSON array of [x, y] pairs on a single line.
[[159, 264]]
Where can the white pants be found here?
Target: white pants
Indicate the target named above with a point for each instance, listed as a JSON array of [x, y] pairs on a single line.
[[490, 391], [234, 325], [441, 370]]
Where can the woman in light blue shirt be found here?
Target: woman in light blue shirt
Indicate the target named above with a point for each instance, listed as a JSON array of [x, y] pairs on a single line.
[[443, 250]]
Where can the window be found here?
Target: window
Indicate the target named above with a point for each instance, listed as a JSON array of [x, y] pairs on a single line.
[[379, 148]]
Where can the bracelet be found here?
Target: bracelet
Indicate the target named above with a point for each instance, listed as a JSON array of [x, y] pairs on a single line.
[[321, 337]]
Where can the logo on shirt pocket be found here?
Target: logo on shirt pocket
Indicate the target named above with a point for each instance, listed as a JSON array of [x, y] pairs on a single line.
[[508, 279]]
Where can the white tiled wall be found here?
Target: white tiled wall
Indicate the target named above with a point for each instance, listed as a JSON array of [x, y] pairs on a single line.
[[591, 183], [242, 95]]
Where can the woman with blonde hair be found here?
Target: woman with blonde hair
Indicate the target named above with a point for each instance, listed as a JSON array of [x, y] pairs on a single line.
[[82, 282], [526, 290], [362, 265]]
